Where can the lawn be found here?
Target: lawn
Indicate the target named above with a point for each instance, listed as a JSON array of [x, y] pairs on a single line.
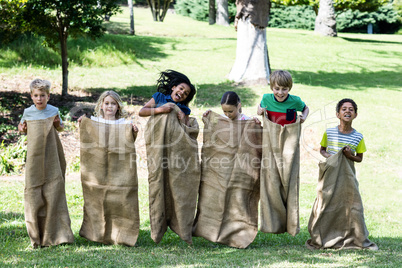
[[364, 67]]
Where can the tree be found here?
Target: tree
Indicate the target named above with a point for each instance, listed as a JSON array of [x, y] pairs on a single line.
[[130, 7], [57, 20], [11, 21], [338, 5], [252, 62], [212, 12], [325, 22], [159, 11], [222, 13]]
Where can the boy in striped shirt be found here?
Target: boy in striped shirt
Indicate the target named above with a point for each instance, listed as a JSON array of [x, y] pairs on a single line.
[[344, 136]]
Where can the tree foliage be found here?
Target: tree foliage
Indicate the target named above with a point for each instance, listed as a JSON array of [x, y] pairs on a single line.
[[58, 19], [361, 5], [11, 21]]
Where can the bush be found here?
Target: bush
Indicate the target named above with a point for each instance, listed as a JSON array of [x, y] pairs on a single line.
[[199, 9], [294, 17], [385, 20], [196, 9], [13, 157]]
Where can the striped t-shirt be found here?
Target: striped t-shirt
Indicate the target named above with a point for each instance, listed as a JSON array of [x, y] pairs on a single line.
[[334, 141]]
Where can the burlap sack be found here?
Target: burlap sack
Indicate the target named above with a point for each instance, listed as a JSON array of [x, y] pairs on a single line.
[[280, 178], [109, 183], [174, 175], [337, 218], [230, 182], [46, 212]]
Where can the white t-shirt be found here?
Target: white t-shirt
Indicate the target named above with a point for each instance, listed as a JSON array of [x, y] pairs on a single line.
[[32, 113], [241, 117], [102, 120]]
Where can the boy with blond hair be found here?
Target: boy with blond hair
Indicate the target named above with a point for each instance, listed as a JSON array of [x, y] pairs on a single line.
[[280, 106], [45, 205], [40, 95]]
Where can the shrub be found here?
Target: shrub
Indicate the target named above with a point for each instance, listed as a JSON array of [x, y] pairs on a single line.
[[12, 157], [199, 9], [295, 17], [384, 20]]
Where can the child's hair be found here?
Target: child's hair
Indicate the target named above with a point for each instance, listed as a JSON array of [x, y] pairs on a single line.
[[281, 78], [230, 98], [170, 78], [42, 85], [341, 102], [98, 108]]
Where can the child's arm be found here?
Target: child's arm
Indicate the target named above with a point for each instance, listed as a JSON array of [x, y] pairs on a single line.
[[22, 127], [323, 152], [304, 114], [58, 124], [260, 110], [257, 121], [348, 153], [150, 109], [206, 113]]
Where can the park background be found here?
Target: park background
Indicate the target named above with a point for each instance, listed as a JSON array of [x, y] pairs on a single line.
[[364, 67]]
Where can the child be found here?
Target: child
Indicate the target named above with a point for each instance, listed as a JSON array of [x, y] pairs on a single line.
[[282, 107], [40, 95], [174, 88], [231, 107], [109, 174], [344, 137], [109, 110], [46, 213], [337, 218]]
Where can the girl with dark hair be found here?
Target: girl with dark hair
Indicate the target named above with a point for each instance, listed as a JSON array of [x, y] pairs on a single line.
[[231, 107], [174, 88]]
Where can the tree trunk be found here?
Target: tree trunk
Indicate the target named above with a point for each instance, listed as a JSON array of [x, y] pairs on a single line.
[[252, 62], [159, 11], [212, 12], [64, 64], [325, 23], [130, 7], [154, 9], [222, 13], [63, 35]]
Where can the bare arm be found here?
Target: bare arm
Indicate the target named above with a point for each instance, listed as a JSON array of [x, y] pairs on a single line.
[[304, 114], [260, 110], [22, 127], [206, 113], [150, 108], [348, 153], [58, 124], [323, 152]]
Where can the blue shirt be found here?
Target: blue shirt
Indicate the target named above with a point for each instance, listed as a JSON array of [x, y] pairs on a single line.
[[32, 113], [161, 99]]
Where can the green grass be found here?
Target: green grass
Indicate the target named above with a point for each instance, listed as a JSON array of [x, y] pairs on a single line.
[[366, 68]]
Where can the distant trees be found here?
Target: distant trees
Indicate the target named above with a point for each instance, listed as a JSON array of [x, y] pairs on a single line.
[[57, 20], [159, 8], [326, 18]]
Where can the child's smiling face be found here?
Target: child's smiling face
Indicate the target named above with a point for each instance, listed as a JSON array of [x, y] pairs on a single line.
[[280, 93], [180, 92], [109, 107], [347, 112], [40, 98]]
